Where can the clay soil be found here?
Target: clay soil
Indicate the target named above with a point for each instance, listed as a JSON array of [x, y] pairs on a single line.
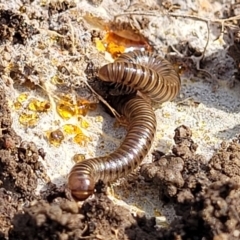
[[205, 193]]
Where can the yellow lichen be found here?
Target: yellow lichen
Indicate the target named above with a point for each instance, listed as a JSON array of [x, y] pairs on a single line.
[[81, 139], [71, 129], [29, 119], [38, 105], [22, 97], [55, 137], [78, 158]]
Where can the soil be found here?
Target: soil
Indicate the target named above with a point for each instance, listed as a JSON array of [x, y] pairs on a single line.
[[205, 193]]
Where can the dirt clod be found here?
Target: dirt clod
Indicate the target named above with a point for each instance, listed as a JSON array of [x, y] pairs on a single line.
[[18, 166], [206, 194], [14, 28]]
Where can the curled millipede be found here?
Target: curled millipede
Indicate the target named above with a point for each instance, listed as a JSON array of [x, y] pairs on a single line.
[[145, 72], [152, 76]]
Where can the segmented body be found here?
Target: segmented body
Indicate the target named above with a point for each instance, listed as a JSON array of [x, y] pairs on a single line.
[[144, 72]]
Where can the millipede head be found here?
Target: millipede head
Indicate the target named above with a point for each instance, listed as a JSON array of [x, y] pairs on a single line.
[[103, 73], [81, 186]]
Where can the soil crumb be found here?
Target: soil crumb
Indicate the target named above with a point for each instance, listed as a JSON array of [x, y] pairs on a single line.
[[19, 166], [14, 28], [97, 218], [205, 194]]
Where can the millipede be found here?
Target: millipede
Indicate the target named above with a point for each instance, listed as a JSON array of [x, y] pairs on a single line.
[[145, 72], [152, 76]]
